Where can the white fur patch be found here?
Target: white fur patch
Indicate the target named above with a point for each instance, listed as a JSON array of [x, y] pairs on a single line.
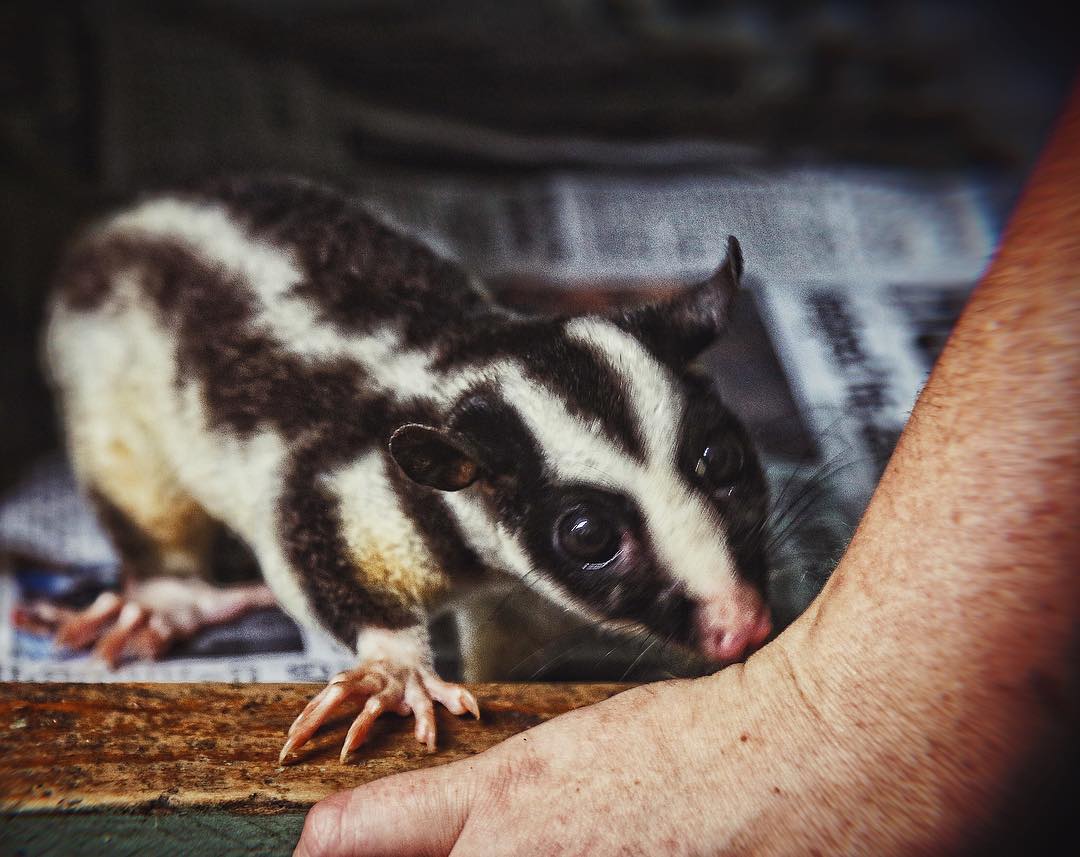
[[409, 647], [383, 540]]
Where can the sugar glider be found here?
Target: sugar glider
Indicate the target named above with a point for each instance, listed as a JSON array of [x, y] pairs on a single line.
[[263, 354]]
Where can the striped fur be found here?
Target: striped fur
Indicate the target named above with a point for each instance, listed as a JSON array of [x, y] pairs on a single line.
[[248, 350]]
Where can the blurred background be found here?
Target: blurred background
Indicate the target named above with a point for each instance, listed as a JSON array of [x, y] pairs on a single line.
[[100, 99], [575, 153]]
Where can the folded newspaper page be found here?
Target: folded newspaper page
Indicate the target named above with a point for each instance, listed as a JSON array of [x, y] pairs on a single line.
[[854, 279]]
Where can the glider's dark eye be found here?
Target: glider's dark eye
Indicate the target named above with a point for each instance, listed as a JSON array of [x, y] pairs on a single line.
[[720, 466], [587, 536]]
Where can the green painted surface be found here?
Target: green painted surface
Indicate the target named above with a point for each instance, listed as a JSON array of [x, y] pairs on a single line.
[[179, 834]]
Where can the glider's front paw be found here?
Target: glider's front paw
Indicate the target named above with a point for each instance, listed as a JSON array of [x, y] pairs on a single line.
[[147, 620], [385, 686]]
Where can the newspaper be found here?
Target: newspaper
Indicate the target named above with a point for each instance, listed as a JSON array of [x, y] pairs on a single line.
[[854, 279]]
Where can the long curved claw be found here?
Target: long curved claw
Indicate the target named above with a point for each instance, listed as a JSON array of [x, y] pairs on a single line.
[[454, 697], [362, 726], [312, 717]]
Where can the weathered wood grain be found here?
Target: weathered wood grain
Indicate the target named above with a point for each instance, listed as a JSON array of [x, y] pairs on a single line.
[[172, 747]]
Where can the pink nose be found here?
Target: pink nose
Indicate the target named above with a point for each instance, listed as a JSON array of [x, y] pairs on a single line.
[[728, 635]]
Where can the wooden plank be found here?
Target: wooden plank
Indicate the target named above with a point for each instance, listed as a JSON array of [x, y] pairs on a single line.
[[169, 747]]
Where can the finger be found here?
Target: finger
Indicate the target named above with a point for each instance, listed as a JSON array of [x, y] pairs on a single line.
[[312, 718], [419, 813], [417, 699], [151, 642], [456, 698], [110, 648], [81, 629], [362, 725], [38, 617]]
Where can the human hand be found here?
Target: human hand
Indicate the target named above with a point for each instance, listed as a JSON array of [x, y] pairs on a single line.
[[725, 763]]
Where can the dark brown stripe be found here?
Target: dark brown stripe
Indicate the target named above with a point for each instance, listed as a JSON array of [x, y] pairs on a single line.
[[581, 378], [358, 272], [641, 591], [310, 528], [442, 537], [512, 463], [246, 376], [83, 279], [590, 388]]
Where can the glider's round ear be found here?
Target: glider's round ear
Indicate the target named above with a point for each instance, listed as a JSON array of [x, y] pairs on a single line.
[[432, 457]]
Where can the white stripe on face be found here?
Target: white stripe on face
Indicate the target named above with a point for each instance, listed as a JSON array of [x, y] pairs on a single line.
[[656, 400], [683, 528]]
